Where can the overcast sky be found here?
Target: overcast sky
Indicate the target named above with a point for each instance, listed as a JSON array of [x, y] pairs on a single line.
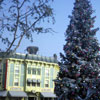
[[51, 43]]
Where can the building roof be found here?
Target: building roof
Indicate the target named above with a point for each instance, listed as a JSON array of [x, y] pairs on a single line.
[[29, 57]]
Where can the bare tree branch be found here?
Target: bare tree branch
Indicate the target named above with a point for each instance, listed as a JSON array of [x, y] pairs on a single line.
[[22, 4], [27, 31], [17, 21]]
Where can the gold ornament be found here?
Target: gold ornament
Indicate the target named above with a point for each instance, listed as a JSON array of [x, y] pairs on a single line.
[[72, 66]]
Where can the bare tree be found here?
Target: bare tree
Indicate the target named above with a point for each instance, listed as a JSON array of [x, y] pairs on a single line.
[[22, 18]]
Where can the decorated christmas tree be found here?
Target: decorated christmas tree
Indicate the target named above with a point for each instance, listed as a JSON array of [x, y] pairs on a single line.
[[79, 75]]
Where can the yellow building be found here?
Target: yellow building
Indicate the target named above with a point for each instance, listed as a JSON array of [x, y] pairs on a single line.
[[27, 77]]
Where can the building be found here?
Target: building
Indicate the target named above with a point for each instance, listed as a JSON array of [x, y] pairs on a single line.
[[27, 77]]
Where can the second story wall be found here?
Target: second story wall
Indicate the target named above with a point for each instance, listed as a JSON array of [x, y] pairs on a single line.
[[15, 75], [40, 76]]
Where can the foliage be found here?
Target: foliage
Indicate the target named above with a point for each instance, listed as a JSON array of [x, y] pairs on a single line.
[[79, 75], [22, 18]]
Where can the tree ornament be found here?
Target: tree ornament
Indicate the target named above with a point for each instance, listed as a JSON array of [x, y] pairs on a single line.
[[77, 75]]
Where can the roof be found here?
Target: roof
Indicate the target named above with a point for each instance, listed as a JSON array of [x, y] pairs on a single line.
[[30, 57], [17, 94], [48, 94]]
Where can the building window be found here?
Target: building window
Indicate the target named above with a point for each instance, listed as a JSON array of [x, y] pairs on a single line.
[[47, 83], [47, 72], [38, 84], [38, 71], [33, 84], [34, 71], [29, 70], [28, 84], [16, 82], [17, 70], [29, 81]]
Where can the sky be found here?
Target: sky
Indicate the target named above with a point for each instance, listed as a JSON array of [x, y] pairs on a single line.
[[52, 43]]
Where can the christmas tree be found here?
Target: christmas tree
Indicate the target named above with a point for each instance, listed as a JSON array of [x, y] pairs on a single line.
[[79, 75]]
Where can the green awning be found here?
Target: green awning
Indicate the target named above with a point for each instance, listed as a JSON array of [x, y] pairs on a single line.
[[48, 95], [17, 94], [3, 93]]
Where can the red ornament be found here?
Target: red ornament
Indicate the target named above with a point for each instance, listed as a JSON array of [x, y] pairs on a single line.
[[77, 75]]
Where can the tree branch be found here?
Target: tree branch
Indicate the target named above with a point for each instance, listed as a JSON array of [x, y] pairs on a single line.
[[15, 30], [35, 22], [19, 42], [27, 31], [22, 4]]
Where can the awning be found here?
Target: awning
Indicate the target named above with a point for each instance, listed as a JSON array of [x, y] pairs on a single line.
[[3, 93], [29, 80], [17, 94], [38, 81], [48, 95], [34, 80]]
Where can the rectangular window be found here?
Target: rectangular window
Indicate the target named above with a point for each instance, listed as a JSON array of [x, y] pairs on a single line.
[[28, 84], [33, 84], [38, 71], [29, 70], [34, 71], [29, 81], [47, 72], [38, 84], [47, 83], [16, 82], [16, 69]]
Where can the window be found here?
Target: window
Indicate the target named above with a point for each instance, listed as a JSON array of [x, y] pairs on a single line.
[[29, 81], [29, 70], [28, 84], [38, 71], [38, 84], [47, 83], [47, 72], [34, 71], [16, 75], [16, 82], [16, 69], [33, 84]]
